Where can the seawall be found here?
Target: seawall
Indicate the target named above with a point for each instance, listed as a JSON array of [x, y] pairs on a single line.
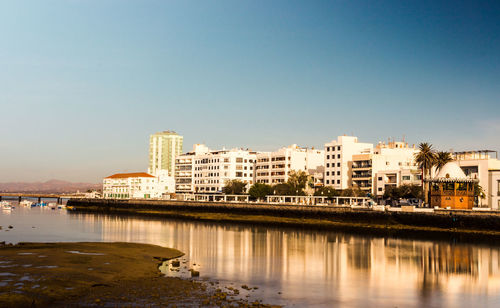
[[443, 222]]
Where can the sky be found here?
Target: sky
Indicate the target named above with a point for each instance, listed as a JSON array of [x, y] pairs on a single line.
[[83, 83]]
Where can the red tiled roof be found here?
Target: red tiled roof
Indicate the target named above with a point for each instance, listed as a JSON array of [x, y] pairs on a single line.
[[130, 175]]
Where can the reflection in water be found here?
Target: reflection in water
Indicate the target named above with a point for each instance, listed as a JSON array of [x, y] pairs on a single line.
[[325, 268], [310, 268]]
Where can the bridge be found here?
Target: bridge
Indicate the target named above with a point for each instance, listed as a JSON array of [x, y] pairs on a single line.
[[20, 196]]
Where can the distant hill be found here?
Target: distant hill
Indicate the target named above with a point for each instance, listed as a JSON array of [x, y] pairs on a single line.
[[52, 186]]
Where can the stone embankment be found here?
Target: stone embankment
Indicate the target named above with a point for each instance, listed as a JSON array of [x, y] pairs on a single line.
[[444, 222]]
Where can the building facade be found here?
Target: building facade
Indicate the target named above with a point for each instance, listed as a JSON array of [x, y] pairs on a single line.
[[391, 164], [274, 167], [139, 185], [184, 166], [210, 170], [481, 165], [164, 147], [338, 155]]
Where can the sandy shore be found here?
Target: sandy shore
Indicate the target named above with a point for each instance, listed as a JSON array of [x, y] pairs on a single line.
[[101, 274]]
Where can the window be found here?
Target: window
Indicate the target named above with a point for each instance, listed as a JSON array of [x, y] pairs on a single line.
[[338, 164], [327, 173], [380, 189], [239, 159], [327, 156], [338, 155], [338, 148], [380, 178], [239, 174], [328, 182], [498, 189], [338, 181], [406, 177], [327, 165], [338, 172]]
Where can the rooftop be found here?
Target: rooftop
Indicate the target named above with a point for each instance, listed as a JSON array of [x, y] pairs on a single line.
[[130, 175]]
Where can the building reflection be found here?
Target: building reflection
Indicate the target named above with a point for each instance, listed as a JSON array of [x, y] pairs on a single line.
[[325, 266]]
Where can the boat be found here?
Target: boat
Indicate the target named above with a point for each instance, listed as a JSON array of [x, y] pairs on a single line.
[[6, 206], [26, 203], [52, 205]]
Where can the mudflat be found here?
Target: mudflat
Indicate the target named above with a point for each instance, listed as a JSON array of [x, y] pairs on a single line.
[[98, 274]]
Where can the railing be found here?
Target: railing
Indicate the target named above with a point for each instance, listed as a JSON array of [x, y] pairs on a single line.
[[361, 166], [356, 176]]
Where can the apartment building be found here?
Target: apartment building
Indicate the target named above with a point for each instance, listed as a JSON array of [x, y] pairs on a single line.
[[138, 185], [184, 166], [164, 147], [338, 155], [274, 167], [210, 170], [389, 164], [484, 166]]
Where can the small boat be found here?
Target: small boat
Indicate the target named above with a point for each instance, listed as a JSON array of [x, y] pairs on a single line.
[[6, 206], [41, 204], [52, 205], [26, 203]]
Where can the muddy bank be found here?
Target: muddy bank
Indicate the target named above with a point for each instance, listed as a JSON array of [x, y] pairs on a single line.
[[99, 274], [465, 224]]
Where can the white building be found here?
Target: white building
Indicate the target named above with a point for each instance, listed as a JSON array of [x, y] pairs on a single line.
[[163, 149], [139, 185], [482, 166], [184, 166], [391, 164], [274, 167], [338, 154], [210, 170]]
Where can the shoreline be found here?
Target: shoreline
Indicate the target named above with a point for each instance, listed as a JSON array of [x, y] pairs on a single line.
[[88, 274], [445, 224]]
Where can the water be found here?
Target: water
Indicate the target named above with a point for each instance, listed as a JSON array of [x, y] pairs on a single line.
[[293, 268]]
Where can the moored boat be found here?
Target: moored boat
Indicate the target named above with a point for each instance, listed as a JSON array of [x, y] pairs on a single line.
[[26, 203], [6, 206]]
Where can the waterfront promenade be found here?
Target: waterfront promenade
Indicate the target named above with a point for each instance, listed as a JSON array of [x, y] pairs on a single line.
[[441, 221]]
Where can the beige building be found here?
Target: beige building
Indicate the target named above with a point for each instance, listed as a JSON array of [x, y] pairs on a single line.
[[338, 155], [207, 171], [138, 185], [274, 167], [163, 149], [484, 166], [390, 164]]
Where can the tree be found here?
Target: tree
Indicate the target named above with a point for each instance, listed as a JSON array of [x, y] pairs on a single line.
[[234, 187], [282, 189], [355, 191], [328, 192], [392, 192], [426, 159], [442, 158], [478, 193], [410, 191], [297, 180], [260, 191]]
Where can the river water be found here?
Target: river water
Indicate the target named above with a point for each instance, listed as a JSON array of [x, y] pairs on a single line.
[[295, 268]]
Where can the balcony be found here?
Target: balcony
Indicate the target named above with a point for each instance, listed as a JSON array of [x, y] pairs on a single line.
[[361, 165], [361, 175]]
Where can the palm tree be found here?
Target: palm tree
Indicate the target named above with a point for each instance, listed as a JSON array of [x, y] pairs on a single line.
[[426, 159], [442, 158]]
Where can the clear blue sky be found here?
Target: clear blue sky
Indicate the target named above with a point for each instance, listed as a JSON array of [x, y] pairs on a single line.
[[83, 83]]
